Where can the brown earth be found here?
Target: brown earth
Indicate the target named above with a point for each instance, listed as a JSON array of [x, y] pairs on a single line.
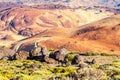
[[77, 29], [100, 36]]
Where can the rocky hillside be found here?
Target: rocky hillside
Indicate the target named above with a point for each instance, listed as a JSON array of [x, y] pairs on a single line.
[[104, 3], [72, 29], [28, 21], [105, 30], [100, 36]]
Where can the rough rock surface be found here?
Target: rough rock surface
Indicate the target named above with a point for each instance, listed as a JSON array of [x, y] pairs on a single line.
[[6, 53], [22, 55]]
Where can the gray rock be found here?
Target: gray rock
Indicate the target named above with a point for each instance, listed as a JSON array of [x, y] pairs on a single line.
[[38, 51], [64, 51], [77, 59], [84, 65], [22, 55], [90, 62], [6, 53], [49, 60], [57, 55]]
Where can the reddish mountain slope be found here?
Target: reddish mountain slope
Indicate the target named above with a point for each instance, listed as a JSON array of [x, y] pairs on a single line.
[[78, 29]]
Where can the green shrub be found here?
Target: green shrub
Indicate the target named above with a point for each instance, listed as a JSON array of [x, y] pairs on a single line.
[[70, 57], [92, 74], [52, 49], [112, 70], [107, 54], [90, 53]]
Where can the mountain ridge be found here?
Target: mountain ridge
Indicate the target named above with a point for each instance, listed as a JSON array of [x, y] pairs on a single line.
[[73, 4]]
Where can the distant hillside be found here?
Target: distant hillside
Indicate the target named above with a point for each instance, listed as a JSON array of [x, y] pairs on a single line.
[[99, 36], [71, 3], [31, 20]]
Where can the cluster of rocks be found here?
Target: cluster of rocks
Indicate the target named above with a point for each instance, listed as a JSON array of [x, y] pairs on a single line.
[[42, 54]]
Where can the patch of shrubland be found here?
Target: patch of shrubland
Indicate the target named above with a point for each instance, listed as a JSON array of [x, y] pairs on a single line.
[[92, 74], [35, 70], [91, 53], [70, 56], [31, 70], [112, 70]]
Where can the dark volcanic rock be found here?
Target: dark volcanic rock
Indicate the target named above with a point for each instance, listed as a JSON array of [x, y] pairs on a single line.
[[77, 59], [57, 56]]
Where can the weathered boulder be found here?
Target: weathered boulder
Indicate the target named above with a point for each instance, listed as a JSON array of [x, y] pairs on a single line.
[[57, 55], [6, 53], [77, 59], [44, 50], [90, 62], [22, 55], [49, 60], [36, 52]]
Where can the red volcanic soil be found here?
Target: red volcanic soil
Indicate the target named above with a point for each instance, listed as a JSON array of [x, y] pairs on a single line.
[[77, 30], [100, 36]]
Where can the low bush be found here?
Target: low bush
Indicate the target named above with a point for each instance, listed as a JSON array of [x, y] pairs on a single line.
[[107, 54], [90, 53]]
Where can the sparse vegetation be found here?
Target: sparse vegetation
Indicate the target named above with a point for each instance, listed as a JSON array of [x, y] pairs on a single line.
[[90, 53], [70, 57], [31, 70], [51, 49], [106, 54], [112, 70], [35, 70]]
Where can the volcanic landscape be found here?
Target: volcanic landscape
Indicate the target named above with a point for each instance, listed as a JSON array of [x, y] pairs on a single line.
[[57, 40]]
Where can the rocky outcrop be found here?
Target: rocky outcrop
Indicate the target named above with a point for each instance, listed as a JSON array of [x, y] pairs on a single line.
[[22, 55], [38, 51], [9, 54], [59, 55], [77, 59], [83, 62], [6, 53], [49, 60]]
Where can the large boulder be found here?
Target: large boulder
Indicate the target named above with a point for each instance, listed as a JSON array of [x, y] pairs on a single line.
[[90, 62], [36, 52], [77, 59], [57, 55], [49, 60], [6, 53], [22, 55], [64, 51], [44, 50]]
